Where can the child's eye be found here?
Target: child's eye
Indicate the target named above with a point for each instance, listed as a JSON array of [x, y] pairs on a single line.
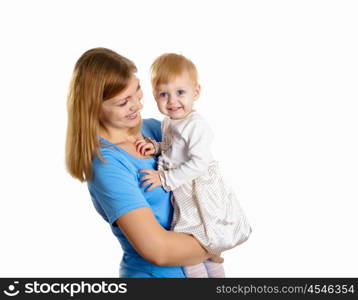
[[163, 94], [181, 92]]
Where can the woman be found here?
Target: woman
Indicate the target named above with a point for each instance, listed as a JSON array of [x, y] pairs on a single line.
[[104, 121]]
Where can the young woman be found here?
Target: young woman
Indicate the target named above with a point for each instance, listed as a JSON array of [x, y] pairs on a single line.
[[104, 122]]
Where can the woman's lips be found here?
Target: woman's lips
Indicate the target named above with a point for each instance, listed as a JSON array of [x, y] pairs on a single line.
[[132, 116]]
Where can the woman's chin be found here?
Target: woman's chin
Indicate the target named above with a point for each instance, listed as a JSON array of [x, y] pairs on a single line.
[[134, 122]]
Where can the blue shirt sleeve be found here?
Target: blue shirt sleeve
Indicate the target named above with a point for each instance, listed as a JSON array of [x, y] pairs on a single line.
[[116, 186], [152, 128]]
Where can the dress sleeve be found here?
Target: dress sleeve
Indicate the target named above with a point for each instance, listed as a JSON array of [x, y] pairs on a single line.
[[117, 188], [198, 137], [157, 145]]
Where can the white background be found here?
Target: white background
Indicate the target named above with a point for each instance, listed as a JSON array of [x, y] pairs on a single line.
[[279, 87]]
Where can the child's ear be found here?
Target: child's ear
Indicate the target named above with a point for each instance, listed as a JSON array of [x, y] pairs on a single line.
[[197, 90], [155, 95]]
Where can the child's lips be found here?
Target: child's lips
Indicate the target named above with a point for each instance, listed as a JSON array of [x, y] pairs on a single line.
[[174, 109]]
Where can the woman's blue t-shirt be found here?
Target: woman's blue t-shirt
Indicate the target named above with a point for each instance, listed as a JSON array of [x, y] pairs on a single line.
[[115, 190]]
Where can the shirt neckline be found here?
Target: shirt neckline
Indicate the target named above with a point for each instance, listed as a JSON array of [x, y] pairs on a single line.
[[120, 149]]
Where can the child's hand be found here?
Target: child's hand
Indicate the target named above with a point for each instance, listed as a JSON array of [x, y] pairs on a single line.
[[216, 259], [143, 147], [152, 178]]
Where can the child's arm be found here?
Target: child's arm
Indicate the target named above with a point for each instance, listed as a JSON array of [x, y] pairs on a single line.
[[148, 146], [198, 137]]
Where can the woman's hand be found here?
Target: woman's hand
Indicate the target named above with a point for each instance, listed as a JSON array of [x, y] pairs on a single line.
[[144, 147], [151, 178], [216, 259]]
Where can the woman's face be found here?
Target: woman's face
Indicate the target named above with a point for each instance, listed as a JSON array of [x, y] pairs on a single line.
[[123, 110]]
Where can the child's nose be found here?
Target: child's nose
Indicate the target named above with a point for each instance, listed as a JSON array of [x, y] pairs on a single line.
[[171, 99]]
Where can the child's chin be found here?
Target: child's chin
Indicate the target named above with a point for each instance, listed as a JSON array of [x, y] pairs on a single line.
[[179, 114]]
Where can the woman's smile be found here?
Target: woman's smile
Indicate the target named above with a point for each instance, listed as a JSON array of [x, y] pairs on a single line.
[[133, 116]]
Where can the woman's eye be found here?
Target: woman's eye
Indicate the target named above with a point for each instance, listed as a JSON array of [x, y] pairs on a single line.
[[122, 103], [181, 92]]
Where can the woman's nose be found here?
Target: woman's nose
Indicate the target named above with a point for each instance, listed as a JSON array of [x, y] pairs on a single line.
[[136, 104]]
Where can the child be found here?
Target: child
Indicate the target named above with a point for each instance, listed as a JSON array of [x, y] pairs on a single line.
[[203, 205]]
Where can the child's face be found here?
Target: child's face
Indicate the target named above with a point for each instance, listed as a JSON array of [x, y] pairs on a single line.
[[176, 98]]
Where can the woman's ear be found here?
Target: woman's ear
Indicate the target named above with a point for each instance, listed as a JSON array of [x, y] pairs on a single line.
[[197, 90]]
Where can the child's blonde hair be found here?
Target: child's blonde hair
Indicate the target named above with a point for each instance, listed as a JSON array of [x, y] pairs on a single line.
[[170, 65]]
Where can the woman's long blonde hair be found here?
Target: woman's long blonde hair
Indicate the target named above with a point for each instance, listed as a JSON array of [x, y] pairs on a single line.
[[99, 74]]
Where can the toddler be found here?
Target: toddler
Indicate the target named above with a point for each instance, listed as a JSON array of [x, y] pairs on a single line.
[[204, 205]]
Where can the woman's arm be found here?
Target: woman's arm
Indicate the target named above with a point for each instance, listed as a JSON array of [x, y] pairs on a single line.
[[157, 245], [116, 189]]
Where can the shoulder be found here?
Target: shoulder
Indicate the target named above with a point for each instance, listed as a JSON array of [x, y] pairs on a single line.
[[196, 119], [152, 128], [114, 186], [195, 123]]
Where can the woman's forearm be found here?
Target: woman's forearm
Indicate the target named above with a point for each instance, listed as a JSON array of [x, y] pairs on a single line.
[[158, 245], [182, 249]]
